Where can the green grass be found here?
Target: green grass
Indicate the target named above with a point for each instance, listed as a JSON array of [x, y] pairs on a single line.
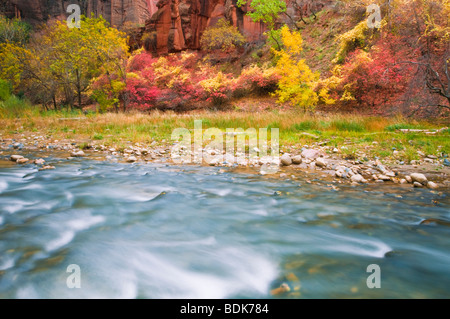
[[14, 107], [373, 136]]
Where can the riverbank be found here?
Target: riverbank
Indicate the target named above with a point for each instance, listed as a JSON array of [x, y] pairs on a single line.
[[339, 149]]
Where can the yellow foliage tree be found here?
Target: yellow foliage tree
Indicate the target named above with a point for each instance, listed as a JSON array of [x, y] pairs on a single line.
[[298, 83]]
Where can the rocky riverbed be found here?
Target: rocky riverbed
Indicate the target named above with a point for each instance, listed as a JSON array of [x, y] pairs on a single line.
[[323, 162]]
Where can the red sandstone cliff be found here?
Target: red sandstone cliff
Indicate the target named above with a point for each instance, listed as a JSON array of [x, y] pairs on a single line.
[[170, 25]]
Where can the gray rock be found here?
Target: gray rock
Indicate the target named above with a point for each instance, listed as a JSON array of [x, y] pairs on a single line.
[[418, 185], [339, 173], [403, 181], [321, 162], [131, 159], [446, 162], [390, 174], [286, 160], [297, 159], [384, 177], [418, 177], [310, 153], [358, 179]]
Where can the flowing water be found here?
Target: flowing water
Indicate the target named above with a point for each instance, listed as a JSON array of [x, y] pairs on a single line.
[[157, 231]]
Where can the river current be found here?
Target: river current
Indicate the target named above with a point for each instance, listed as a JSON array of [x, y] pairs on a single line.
[[159, 231]]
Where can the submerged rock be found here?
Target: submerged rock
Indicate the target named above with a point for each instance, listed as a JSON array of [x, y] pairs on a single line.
[[77, 154], [280, 290], [39, 161], [47, 167]]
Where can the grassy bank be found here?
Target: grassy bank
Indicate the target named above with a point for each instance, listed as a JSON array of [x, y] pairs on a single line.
[[361, 136]]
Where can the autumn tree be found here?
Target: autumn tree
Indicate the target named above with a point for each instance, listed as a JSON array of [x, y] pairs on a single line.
[[61, 61], [14, 31], [297, 83]]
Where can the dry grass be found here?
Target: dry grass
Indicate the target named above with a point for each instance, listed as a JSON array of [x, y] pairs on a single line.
[[333, 129]]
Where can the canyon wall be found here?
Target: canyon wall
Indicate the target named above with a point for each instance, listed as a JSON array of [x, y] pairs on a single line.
[[170, 25], [116, 12]]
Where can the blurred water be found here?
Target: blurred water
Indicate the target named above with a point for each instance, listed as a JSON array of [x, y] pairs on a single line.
[[154, 231]]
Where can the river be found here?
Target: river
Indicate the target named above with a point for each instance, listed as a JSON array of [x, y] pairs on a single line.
[[159, 231]]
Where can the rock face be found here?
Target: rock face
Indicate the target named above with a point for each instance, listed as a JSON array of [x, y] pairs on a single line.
[[179, 24], [170, 25], [116, 12]]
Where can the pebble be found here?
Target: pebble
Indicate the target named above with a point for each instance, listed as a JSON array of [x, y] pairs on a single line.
[[310, 153], [280, 290], [297, 159], [446, 162], [358, 179], [384, 177], [403, 181], [286, 160], [22, 160], [14, 158], [408, 179], [46, 167], [131, 159], [39, 161], [321, 162], [77, 154], [390, 174], [418, 185], [418, 177], [432, 185], [17, 146]]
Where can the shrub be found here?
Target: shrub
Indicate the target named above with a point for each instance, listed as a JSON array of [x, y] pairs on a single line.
[[260, 80], [142, 94], [351, 40], [219, 88], [5, 90], [223, 36]]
